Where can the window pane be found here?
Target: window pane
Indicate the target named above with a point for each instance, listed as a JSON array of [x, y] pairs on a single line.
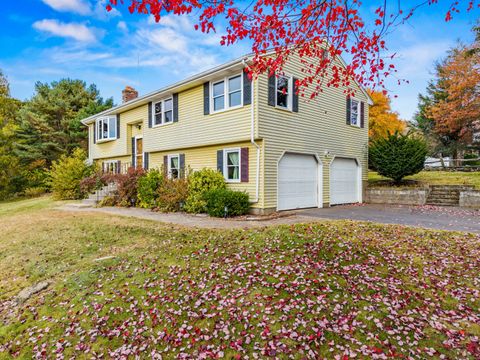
[[158, 108], [174, 162], [218, 89], [282, 84], [168, 116], [105, 129], [234, 84], [158, 119], [112, 127], [219, 103], [233, 172], [232, 158], [235, 98], [282, 99], [99, 129], [354, 112], [168, 104]]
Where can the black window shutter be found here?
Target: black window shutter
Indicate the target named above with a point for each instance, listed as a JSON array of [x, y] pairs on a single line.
[[103, 167], [119, 164], [165, 165], [295, 95], [271, 90], [175, 107], [348, 109], [182, 166], [145, 160], [133, 152], [362, 114], [206, 98], [95, 132], [118, 126], [150, 115], [244, 164], [220, 161], [247, 89]]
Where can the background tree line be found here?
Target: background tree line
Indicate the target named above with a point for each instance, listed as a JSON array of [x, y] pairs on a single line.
[[36, 132], [448, 113]]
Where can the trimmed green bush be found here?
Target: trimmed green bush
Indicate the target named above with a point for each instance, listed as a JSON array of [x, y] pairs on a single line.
[[397, 156], [66, 174], [148, 189], [235, 203], [199, 183]]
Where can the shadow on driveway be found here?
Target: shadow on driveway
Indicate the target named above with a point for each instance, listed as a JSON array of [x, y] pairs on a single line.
[[433, 217]]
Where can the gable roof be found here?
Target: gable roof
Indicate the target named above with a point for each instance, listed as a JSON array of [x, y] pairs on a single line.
[[187, 83]]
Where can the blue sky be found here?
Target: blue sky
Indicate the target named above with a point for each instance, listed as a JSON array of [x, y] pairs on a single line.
[[46, 40]]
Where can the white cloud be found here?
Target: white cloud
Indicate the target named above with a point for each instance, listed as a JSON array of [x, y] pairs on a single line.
[[81, 7], [79, 32], [122, 26], [165, 38]]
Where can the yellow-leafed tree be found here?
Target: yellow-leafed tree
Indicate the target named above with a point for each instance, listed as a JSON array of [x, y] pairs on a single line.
[[382, 120]]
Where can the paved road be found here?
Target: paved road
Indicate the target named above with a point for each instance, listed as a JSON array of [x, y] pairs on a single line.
[[442, 218]]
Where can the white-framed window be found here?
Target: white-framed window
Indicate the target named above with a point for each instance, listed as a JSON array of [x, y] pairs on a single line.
[[174, 166], [284, 89], [163, 112], [226, 93], [354, 112], [106, 128], [231, 165]]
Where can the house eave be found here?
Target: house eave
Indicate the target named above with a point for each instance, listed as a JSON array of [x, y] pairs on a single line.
[[185, 84]]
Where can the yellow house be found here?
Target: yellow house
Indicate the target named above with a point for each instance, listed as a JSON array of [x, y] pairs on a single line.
[[285, 151]]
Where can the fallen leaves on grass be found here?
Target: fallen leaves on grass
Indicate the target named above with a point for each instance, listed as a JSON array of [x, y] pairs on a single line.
[[308, 291]]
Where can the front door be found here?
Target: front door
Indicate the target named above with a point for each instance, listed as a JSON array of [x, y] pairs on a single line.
[[138, 152]]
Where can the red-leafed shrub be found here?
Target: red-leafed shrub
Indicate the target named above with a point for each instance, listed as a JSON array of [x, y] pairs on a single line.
[[127, 186]]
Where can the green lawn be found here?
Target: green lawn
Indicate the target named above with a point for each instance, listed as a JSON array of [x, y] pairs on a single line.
[[320, 290], [425, 178]]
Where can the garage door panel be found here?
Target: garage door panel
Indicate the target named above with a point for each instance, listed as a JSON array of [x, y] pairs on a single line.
[[297, 182], [344, 181]]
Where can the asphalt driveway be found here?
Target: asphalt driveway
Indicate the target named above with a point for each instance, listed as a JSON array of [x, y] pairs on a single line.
[[442, 218]]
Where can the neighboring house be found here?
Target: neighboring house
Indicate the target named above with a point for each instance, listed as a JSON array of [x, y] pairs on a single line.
[[286, 151]]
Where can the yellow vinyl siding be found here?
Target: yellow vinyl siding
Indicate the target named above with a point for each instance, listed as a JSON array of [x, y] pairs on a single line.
[[121, 146], [319, 126], [206, 157], [196, 129]]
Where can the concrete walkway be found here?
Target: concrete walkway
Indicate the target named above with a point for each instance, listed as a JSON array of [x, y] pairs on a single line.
[[441, 218], [183, 219], [433, 217]]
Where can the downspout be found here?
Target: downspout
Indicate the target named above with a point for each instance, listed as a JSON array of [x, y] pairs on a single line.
[[252, 140]]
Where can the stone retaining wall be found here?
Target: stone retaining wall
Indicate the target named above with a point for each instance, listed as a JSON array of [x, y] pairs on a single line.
[[396, 196], [470, 199]]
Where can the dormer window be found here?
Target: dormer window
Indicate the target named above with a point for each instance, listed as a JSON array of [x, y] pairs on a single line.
[[106, 128]]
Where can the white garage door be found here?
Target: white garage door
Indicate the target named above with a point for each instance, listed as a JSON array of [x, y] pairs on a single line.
[[344, 187], [297, 182]]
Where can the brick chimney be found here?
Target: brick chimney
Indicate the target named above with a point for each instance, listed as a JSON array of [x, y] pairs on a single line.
[[128, 94]]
